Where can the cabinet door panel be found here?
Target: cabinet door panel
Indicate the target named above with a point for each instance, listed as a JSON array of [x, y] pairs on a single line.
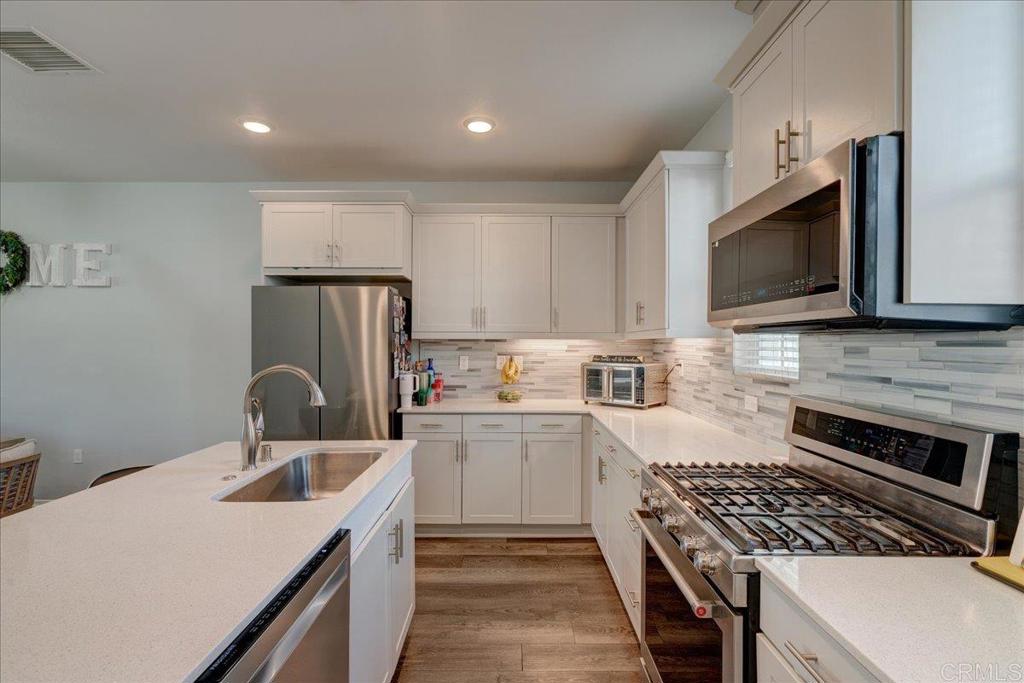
[[551, 479], [516, 268], [368, 236], [437, 469], [583, 282], [297, 236], [762, 102], [635, 280], [653, 313], [492, 479], [446, 273], [370, 630], [845, 73], [402, 584]]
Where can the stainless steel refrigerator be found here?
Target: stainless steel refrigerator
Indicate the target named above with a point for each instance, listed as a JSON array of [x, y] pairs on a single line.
[[352, 338]]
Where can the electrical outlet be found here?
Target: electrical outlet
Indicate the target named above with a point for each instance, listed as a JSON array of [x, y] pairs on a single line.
[[750, 403], [499, 362], [76, 456], [463, 362]]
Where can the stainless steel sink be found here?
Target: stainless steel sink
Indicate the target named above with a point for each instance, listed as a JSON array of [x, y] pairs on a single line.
[[311, 476]]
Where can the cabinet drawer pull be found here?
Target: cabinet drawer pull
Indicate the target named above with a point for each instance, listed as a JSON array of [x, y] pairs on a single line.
[[805, 660], [601, 476], [492, 424], [596, 433], [552, 424], [430, 424], [633, 473], [633, 526], [611, 449], [395, 551], [633, 599]]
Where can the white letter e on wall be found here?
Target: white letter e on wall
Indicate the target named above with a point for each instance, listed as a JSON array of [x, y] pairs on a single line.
[[86, 269]]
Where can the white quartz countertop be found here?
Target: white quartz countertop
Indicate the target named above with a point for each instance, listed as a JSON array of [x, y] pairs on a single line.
[[661, 434], [147, 578], [910, 618]]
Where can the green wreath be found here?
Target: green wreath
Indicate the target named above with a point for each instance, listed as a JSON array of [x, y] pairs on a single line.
[[14, 255]]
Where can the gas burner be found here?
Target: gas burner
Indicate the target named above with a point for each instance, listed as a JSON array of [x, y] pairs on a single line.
[[617, 359], [776, 509]]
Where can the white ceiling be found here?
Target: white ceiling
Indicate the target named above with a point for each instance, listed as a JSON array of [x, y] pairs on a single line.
[[362, 90]]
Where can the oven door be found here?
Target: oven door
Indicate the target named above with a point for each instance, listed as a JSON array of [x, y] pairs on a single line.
[[596, 383], [689, 633], [785, 254], [623, 380]]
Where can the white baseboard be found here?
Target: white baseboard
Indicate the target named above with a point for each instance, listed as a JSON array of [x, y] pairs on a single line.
[[504, 530]]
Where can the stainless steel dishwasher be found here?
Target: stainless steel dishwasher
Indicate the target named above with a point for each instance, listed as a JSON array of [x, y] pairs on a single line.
[[301, 636]]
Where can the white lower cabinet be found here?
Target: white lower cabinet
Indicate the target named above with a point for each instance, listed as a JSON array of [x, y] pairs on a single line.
[[616, 491], [492, 474], [402, 569], [382, 591], [437, 468], [369, 611], [772, 666], [809, 652], [551, 479]]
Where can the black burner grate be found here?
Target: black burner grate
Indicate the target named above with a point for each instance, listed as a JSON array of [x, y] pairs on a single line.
[[769, 508]]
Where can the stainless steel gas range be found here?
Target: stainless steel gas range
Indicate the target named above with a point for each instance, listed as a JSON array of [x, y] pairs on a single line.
[[858, 482]]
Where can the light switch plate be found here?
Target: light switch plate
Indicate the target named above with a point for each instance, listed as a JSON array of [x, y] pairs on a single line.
[[463, 362], [750, 403], [499, 362], [76, 456]]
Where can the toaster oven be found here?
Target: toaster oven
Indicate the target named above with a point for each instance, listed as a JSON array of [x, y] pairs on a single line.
[[624, 382]]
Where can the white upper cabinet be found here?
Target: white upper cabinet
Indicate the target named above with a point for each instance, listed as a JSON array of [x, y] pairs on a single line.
[[831, 74], [446, 274], [297, 236], [667, 216], [516, 268], [583, 275], [964, 218], [371, 236], [845, 73], [317, 239], [762, 103]]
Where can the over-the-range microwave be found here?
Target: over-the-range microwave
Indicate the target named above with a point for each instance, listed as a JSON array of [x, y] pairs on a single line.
[[822, 249]]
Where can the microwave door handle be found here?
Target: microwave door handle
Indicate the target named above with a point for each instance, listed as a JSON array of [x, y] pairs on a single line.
[[702, 598], [606, 388]]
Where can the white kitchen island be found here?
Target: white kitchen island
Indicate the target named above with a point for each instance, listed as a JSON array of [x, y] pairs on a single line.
[[148, 577]]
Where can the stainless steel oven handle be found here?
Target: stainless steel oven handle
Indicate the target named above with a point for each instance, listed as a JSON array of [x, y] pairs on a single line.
[[703, 599]]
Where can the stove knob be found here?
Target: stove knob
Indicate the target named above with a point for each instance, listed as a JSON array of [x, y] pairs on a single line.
[[645, 494], [690, 545], [705, 562], [672, 523], [656, 504]]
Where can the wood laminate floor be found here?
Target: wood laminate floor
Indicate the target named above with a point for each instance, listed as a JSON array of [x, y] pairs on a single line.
[[501, 610]]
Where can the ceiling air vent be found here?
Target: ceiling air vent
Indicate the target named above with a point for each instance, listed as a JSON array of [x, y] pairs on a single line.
[[35, 52]]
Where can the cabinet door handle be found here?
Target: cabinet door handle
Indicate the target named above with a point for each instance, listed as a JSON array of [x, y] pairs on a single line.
[[330, 251], [337, 252], [526, 451], [401, 539], [465, 451], [806, 660], [632, 598], [601, 476], [633, 526], [778, 143], [643, 314], [483, 323], [394, 552], [458, 445], [790, 134]]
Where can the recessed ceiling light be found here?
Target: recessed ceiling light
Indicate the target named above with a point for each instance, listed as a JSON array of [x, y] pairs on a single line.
[[255, 126], [478, 124]]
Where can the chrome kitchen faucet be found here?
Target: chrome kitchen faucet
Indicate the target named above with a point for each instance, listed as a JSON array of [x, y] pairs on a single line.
[[252, 429]]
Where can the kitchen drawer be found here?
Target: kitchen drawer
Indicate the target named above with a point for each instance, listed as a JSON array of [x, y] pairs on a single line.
[[792, 631], [553, 424], [772, 667], [495, 422], [414, 422]]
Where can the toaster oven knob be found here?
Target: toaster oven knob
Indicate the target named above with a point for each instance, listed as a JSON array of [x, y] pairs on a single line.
[[705, 562], [672, 523], [656, 504]]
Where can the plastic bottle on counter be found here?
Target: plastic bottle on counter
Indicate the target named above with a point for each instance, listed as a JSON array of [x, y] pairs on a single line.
[[438, 387]]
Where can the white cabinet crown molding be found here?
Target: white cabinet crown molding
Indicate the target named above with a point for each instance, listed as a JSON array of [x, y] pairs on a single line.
[[669, 159], [406, 197], [768, 24]]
